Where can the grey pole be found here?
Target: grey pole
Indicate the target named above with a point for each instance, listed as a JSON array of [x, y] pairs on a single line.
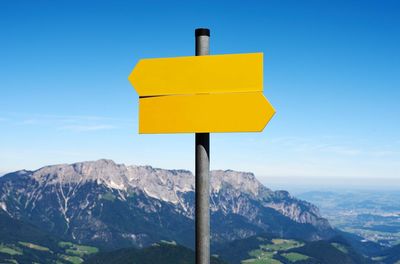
[[202, 171]]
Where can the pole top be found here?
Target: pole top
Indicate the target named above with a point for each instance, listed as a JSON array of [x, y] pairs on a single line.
[[202, 32]]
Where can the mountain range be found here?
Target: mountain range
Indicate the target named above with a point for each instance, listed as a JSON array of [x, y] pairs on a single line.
[[66, 213], [111, 205]]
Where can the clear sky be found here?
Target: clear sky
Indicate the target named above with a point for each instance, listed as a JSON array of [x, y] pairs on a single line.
[[331, 70]]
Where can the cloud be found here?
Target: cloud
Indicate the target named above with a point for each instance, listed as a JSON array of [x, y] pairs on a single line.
[[84, 128], [30, 122], [74, 123]]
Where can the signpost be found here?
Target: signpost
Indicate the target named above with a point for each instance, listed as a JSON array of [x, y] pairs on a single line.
[[202, 94], [202, 170]]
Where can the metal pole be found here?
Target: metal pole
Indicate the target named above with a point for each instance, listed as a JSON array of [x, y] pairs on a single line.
[[202, 171]]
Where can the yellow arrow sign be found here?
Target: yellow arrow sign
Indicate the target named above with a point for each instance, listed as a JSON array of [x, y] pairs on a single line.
[[199, 74], [201, 94], [203, 113]]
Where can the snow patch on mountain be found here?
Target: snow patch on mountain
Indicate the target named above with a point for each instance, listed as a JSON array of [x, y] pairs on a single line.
[[3, 206]]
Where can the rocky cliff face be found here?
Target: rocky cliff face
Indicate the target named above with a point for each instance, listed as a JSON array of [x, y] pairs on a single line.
[[114, 205]]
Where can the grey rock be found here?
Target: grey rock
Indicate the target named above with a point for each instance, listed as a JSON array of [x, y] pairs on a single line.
[[113, 205]]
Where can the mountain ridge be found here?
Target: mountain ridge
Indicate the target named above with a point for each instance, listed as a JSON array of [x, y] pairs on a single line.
[[112, 204]]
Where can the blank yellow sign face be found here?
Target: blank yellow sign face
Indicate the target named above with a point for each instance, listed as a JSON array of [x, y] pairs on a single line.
[[201, 94], [230, 112], [199, 74]]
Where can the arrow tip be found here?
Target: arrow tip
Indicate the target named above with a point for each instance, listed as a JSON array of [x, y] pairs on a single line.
[[269, 111], [133, 76]]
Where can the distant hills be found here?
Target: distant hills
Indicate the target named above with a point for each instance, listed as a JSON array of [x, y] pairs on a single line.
[[257, 250], [267, 249], [22, 242], [373, 215], [160, 253]]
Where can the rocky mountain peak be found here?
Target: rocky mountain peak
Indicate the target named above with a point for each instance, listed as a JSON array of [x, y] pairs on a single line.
[[241, 181], [158, 183], [101, 171]]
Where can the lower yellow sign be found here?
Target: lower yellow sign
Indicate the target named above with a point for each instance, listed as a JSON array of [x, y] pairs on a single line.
[[204, 113]]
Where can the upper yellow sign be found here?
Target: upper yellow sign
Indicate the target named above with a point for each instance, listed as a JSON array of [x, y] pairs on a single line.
[[199, 74]]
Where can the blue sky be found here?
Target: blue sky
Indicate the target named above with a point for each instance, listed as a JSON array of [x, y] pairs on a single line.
[[331, 70]]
